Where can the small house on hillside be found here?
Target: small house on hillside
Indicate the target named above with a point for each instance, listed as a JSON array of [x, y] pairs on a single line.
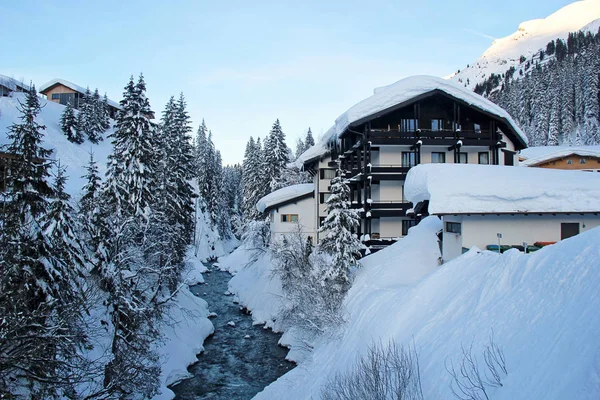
[[63, 92], [583, 158], [9, 85], [289, 208], [494, 205]]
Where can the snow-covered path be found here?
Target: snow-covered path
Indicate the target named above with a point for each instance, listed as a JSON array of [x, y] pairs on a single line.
[[239, 359]]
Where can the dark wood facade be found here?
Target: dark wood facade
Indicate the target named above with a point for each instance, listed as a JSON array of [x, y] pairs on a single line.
[[432, 120]]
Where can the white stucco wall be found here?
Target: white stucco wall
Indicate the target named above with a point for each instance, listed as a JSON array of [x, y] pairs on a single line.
[[306, 218], [478, 230]]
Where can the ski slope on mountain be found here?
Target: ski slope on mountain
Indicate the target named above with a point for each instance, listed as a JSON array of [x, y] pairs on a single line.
[[541, 308], [530, 37]]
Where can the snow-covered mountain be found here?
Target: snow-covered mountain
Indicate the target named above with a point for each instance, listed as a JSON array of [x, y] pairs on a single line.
[[530, 37]]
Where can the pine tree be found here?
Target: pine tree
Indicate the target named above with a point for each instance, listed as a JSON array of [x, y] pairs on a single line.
[[249, 173], [98, 117], [300, 148], [68, 124], [106, 114], [38, 291], [130, 274], [309, 141], [275, 155], [339, 241], [130, 178]]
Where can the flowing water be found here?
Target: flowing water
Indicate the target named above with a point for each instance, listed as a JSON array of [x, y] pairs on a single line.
[[238, 361]]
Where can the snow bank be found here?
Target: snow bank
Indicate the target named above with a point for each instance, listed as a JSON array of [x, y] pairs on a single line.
[[540, 154], [542, 308], [254, 284], [467, 188], [283, 195], [73, 156]]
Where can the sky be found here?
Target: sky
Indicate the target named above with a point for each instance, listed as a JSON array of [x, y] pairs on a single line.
[[243, 64]]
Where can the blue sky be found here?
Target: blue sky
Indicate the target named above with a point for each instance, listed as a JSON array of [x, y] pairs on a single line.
[[242, 64]]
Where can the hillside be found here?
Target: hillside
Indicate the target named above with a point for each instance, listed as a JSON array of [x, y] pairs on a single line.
[[541, 310], [73, 156], [530, 37]]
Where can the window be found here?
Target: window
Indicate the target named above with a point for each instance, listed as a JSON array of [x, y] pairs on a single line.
[[453, 227], [289, 217], [484, 157], [438, 157], [477, 128], [55, 96], [437, 124], [408, 125], [463, 158], [509, 158], [323, 197], [582, 161], [569, 162], [409, 159], [327, 173], [406, 225]]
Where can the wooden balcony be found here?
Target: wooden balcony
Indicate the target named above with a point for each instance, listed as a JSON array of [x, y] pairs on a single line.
[[428, 137]]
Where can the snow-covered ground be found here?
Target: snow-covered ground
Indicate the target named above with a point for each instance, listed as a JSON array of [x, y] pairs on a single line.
[[187, 324], [530, 37], [541, 308]]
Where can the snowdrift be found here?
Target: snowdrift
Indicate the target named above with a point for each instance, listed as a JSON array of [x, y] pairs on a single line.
[[542, 309]]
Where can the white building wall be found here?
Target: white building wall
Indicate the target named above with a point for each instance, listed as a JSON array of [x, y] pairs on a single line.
[[482, 230], [390, 190], [390, 227], [306, 218]]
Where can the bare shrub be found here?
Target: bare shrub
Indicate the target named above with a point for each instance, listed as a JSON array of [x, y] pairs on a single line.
[[311, 304], [384, 373], [257, 235], [472, 381]]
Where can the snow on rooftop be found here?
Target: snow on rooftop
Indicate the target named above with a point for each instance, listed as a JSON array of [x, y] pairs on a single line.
[[12, 83], [73, 86], [283, 195], [402, 91], [464, 188], [540, 154]]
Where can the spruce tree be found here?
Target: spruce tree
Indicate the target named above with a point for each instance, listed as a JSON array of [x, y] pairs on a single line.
[[130, 177], [339, 240], [105, 114], [37, 275], [275, 155], [68, 124], [309, 141]]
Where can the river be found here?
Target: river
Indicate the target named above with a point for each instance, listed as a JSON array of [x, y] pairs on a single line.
[[238, 361]]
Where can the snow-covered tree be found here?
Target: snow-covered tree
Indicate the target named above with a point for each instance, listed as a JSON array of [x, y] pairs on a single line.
[[339, 239], [68, 124], [38, 290], [255, 186], [130, 179], [276, 155]]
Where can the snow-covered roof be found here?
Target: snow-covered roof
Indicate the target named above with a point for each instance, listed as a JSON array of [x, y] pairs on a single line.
[[404, 90], [12, 83], [314, 152], [470, 188], [537, 155], [284, 195], [74, 87]]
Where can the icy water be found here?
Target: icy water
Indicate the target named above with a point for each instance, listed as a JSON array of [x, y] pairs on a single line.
[[237, 362]]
